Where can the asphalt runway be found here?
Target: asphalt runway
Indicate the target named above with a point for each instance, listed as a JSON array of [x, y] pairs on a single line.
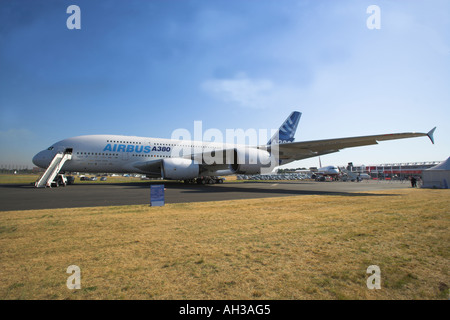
[[26, 197]]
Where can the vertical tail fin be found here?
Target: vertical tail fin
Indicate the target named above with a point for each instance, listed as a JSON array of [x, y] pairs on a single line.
[[287, 130]]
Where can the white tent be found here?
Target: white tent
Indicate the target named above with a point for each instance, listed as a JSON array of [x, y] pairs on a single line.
[[437, 176]]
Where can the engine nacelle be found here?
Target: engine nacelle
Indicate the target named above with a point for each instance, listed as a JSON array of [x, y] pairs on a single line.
[[179, 169], [250, 161]]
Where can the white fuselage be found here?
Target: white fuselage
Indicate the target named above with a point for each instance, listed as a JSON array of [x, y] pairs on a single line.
[[117, 154], [328, 171]]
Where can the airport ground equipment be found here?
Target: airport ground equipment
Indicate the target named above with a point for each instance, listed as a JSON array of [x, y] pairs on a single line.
[[53, 169], [348, 175], [60, 180]]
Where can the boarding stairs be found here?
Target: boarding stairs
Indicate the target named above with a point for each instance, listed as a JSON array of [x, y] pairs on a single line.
[[351, 175], [53, 169]]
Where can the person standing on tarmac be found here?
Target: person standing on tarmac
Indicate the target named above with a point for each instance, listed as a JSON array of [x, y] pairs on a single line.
[[413, 182]]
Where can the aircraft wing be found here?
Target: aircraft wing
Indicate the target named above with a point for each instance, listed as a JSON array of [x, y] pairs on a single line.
[[287, 151], [307, 149]]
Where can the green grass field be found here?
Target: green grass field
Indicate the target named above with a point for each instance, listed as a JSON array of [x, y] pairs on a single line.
[[305, 247], [18, 178]]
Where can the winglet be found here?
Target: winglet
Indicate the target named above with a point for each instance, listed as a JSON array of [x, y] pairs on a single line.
[[430, 134]]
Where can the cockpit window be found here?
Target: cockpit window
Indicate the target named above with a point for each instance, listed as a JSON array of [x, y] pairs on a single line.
[[51, 148]]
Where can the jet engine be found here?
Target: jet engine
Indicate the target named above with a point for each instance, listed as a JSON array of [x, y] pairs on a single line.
[[250, 161], [179, 169]]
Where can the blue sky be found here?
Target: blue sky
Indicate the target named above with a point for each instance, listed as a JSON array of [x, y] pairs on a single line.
[[146, 68]]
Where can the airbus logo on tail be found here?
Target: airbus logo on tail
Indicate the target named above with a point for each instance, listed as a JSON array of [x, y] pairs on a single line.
[[286, 132]]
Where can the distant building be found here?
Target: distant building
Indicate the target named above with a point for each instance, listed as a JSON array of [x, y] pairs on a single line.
[[399, 170]]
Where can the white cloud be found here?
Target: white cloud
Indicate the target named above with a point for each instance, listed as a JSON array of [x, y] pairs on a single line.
[[251, 93]]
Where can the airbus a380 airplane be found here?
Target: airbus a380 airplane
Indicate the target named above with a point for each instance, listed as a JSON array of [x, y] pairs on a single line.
[[190, 160]]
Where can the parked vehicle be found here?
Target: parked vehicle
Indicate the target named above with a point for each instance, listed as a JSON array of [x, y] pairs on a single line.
[[60, 180]]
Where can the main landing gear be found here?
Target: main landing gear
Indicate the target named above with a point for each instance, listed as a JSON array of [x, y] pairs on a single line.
[[205, 180]]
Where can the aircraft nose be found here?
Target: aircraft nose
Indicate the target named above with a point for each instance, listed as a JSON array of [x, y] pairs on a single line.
[[40, 159]]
